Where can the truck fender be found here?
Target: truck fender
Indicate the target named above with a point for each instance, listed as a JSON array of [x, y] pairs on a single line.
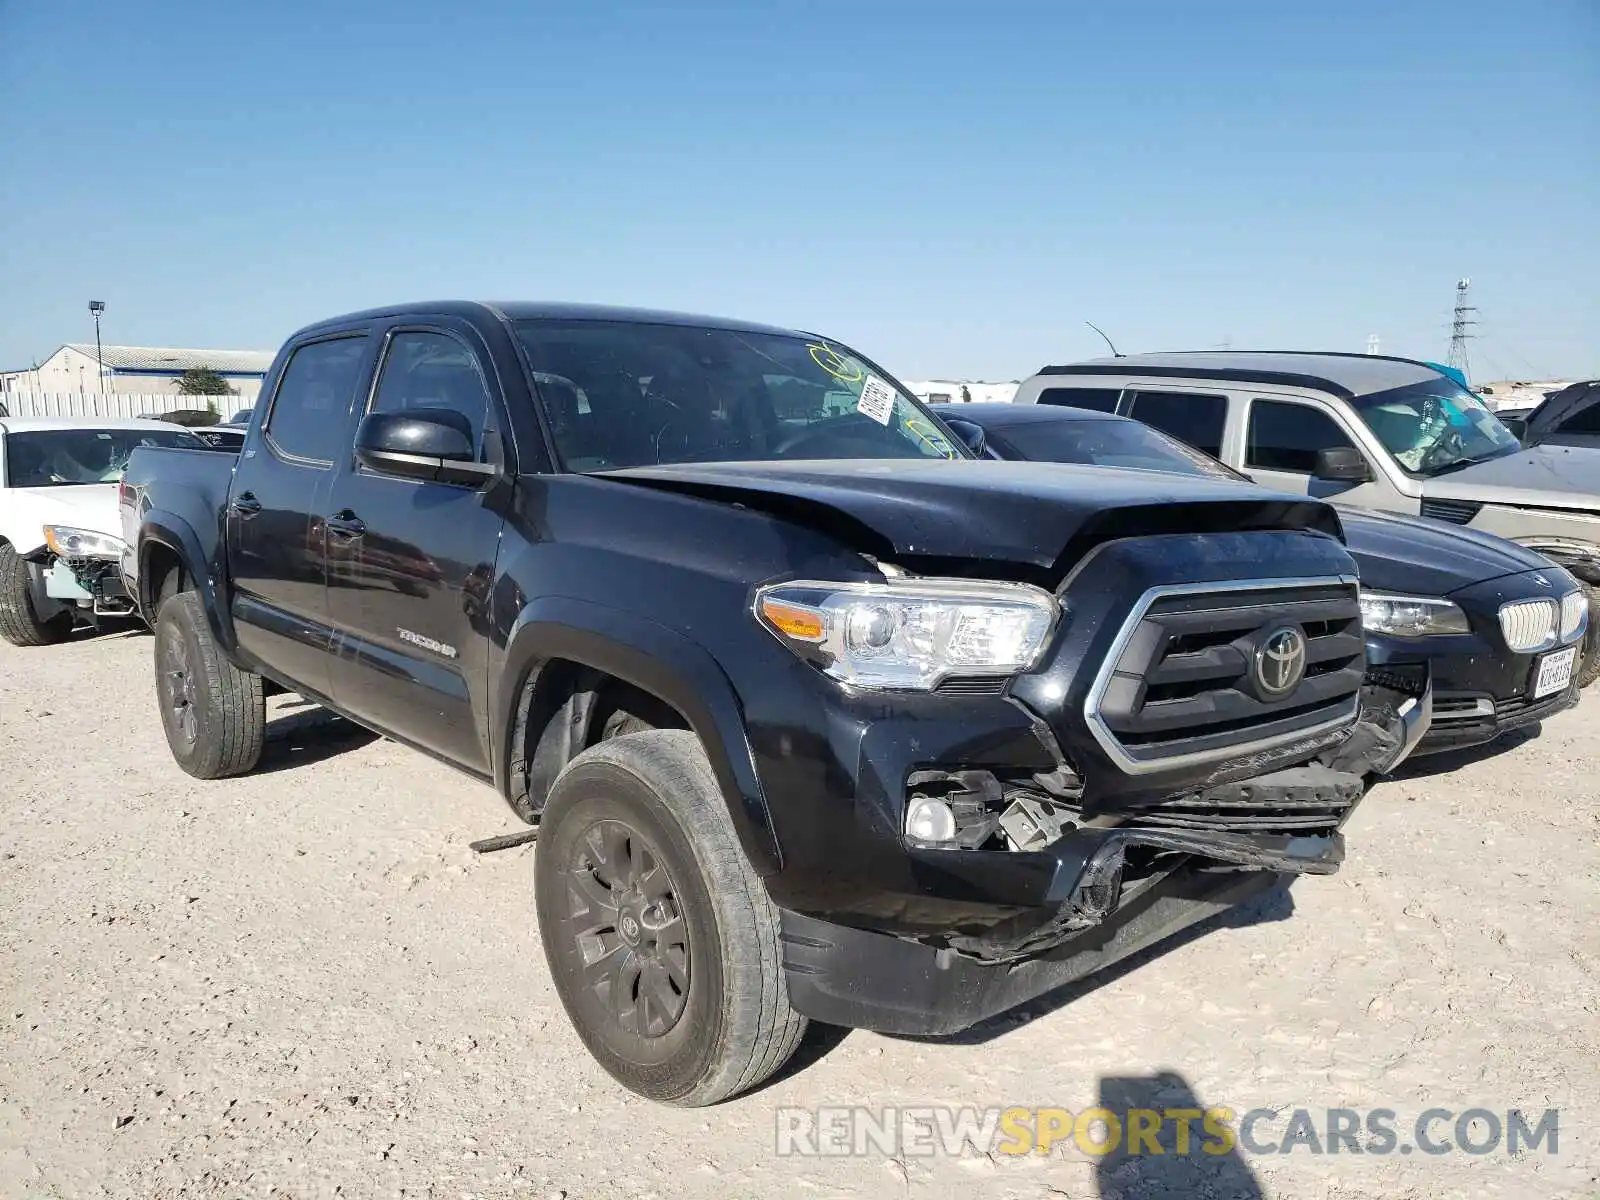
[[158, 527], [657, 660]]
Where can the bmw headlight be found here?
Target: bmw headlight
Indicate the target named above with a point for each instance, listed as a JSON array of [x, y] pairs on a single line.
[[1411, 616], [911, 633], [66, 542]]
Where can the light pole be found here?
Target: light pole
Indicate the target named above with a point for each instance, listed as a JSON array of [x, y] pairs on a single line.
[[96, 307]]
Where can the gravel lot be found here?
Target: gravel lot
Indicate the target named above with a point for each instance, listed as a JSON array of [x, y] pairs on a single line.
[[303, 983]]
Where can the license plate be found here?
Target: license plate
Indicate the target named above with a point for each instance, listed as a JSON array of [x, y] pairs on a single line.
[[1555, 672]]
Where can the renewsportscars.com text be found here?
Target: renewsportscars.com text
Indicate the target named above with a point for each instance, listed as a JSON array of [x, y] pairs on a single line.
[[930, 1130]]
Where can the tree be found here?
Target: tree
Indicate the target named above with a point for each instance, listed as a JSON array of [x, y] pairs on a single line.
[[203, 381], [966, 396]]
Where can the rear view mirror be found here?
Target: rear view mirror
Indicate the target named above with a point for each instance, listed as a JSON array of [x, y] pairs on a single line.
[[1342, 464], [972, 436], [421, 443]]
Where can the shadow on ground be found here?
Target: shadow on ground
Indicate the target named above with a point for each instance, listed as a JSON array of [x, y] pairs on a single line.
[[1447, 761], [308, 734], [1167, 1161]]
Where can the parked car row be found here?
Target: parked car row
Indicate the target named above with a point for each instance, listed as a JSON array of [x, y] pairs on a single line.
[[821, 712]]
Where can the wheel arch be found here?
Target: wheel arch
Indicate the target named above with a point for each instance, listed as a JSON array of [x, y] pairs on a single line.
[[561, 648], [167, 542]]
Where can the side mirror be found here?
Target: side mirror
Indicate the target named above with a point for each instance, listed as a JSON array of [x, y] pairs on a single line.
[[972, 436], [422, 443], [1517, 425], [1342, 464]]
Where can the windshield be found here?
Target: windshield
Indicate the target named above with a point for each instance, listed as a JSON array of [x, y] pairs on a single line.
[[1434, 426], [55, 457], [625, 394], [1105, 444]]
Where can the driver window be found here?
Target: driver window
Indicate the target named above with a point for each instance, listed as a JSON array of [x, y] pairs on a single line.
[[432, 370], [1287, 437]]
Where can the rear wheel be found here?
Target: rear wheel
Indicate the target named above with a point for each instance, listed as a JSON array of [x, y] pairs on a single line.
[[1589, 664], [19, 623], [661, 939], [214, 715]]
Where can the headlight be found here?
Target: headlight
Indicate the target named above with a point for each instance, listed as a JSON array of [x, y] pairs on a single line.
[[67, 542], [911, 633], [1574, 614], [1411, 616]]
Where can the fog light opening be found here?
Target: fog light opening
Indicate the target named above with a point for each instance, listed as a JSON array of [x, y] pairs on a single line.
[[1100, 886], [931, 820]]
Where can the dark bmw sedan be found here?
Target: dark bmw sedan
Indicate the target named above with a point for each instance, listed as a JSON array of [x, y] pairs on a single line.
[[1499, 627]]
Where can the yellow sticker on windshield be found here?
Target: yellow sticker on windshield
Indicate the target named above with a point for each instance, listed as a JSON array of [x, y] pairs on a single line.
[[834, 363]]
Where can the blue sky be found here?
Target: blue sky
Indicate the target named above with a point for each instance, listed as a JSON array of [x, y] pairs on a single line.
[[953, 188]]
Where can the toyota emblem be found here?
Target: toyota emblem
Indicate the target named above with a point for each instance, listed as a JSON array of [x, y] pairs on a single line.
[[1281, 661]]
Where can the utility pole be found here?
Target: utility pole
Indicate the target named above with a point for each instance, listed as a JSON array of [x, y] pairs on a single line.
[[1460, 326], [96, 307]]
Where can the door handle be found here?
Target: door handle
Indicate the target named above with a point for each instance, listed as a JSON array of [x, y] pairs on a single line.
[[346, 524], [245, 504]]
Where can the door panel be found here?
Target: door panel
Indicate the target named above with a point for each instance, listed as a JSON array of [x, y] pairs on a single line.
[[274, 522], [409, 567]]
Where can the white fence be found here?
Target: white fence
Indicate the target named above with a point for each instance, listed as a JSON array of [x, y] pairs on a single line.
[[104, 404]]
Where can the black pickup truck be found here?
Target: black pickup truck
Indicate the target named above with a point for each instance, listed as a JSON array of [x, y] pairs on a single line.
[[818, 716]]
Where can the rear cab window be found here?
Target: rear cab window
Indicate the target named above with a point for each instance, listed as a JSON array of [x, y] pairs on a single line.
[[1197, 418]]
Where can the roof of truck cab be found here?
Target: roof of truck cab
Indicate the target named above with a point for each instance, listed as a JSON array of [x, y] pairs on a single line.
[[34, 424], [1346, 375], [545, 310]]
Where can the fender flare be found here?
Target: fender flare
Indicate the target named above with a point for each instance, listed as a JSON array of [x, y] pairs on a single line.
[[160, 528], [655, 659]]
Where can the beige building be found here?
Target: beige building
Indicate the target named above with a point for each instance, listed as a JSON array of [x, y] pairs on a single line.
[[137, 370]]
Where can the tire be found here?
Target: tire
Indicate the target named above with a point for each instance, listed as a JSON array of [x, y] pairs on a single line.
[[214, 715], [1589, 664], [19, 623], [692, 1006]]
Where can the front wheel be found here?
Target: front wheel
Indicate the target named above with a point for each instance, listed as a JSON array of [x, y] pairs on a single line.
[[661, 939], [214, 715], [19, 623]]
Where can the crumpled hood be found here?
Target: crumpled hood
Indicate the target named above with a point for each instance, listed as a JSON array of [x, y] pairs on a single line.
[[24, 512], [1540, 477], [1019, 512], [1422, 557]]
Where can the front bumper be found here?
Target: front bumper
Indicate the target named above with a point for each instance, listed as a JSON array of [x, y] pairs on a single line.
[[864, 980], [1473, 719]]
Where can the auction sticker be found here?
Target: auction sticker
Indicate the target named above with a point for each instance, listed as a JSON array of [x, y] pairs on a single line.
[[877, 400]]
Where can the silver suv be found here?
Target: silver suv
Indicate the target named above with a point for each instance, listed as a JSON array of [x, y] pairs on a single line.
[[1357, 429]]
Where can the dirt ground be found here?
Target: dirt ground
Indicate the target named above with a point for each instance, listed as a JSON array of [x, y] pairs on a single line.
[[304, 983]]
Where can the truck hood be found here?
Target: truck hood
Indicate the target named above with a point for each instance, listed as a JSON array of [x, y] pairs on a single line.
[[24, 512], [1541, 477], [1420, 557], [1034, 514]]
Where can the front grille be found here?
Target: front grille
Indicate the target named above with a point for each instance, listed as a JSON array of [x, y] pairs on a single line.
[[1187, 679], [973, 685], [1530, 624], [1457, 512]]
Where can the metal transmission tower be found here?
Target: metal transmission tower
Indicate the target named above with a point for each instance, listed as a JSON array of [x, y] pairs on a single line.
[[1373, 343], [1460, 325]]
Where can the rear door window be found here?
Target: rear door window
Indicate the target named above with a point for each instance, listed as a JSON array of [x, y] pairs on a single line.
[[1286, 437], [308, 414], [1095, 398], [1197, 418]]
